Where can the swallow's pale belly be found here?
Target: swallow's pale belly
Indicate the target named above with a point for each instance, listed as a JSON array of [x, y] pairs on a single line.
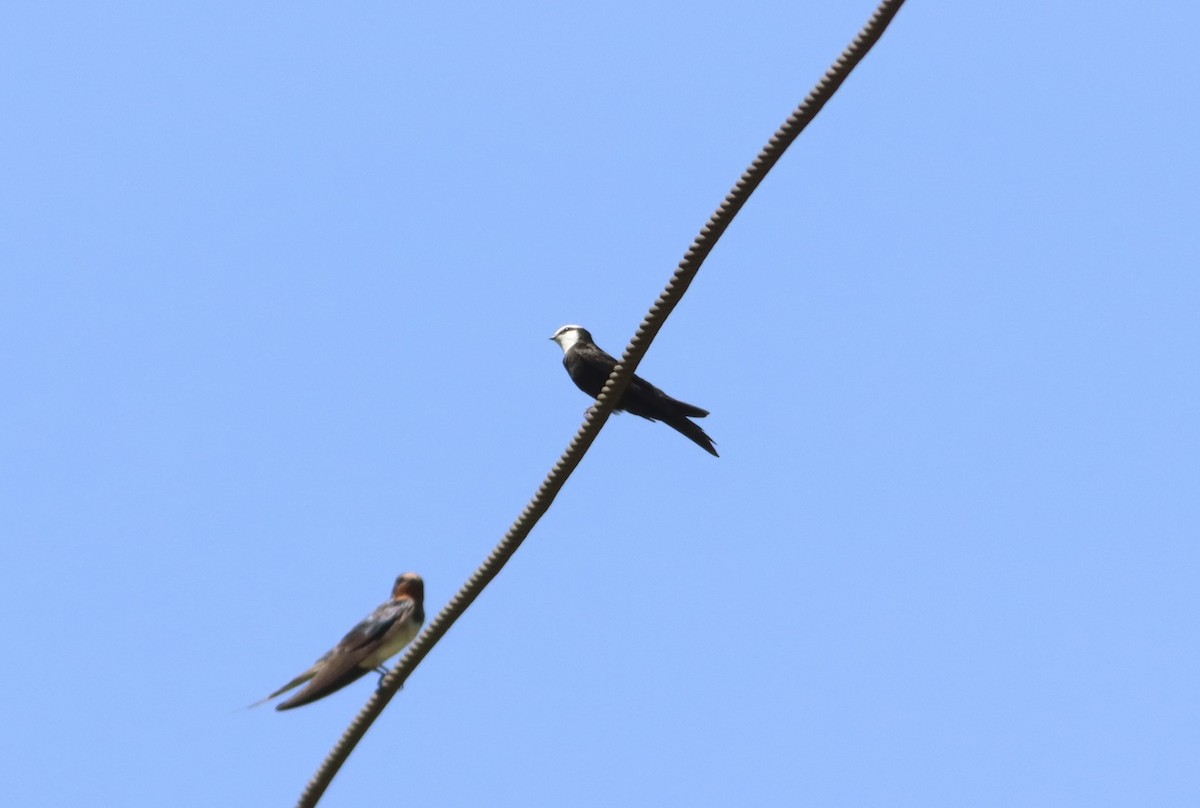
[[391, 646]]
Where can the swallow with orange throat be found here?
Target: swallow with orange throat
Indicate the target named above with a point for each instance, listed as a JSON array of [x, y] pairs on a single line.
[[589, 367], [379, 637]]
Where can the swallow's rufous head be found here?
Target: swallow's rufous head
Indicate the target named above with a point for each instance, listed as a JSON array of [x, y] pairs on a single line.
[[411, 585]]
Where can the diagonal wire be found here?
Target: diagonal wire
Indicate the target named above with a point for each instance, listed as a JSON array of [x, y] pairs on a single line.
[[598, 414]]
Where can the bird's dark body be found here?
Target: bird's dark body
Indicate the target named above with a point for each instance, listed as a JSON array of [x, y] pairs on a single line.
[[589, 368]]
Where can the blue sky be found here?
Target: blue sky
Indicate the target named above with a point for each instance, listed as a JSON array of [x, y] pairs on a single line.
[[277, 286]]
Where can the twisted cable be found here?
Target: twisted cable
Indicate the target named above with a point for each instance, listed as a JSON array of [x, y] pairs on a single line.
[[602, 408]]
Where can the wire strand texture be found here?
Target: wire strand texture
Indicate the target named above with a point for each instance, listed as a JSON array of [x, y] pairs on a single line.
[[602, 408]]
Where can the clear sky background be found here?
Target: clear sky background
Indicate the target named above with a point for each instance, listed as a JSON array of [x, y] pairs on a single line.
[[277, 283]]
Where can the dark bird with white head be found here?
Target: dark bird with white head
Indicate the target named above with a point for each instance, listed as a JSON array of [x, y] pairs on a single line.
[[589, 367]]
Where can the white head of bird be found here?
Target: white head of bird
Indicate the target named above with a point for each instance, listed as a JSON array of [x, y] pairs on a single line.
[[568, 335]]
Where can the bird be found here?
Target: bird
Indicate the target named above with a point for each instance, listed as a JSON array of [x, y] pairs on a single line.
[[380, 636], [589, 367]]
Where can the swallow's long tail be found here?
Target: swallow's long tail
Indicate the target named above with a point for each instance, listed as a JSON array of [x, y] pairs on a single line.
[[299, 680], [320, 688], [692, 431], [687, 410]]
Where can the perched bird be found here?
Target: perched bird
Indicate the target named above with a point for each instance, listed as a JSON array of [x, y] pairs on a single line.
[[589, 367], [368, 645]]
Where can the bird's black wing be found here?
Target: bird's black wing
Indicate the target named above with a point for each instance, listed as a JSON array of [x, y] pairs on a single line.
[[644, 399], [589, 367]]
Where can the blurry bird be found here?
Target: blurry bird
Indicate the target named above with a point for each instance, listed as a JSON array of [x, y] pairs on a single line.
[[589, 367], [368, 645]]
